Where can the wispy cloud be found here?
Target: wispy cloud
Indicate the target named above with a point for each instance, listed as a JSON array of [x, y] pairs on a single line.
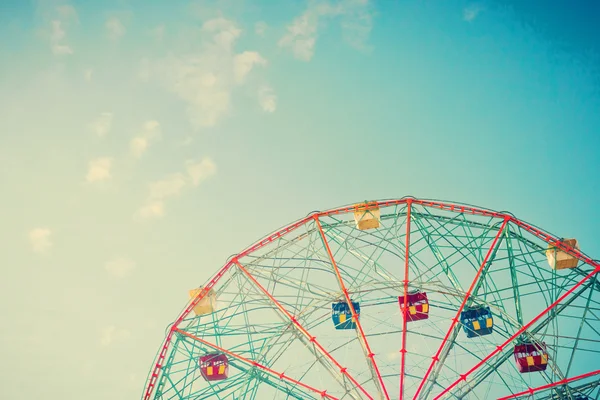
[[67, 12], [149, 134], [114, 28], [152, 209], [244, 62], [159, 191], [356, 20], [120, 267], [173, 185], [40, 239], [99, 169], [267, 99], [170, 186], [103, 123], [65, 15], [57, 20], [56, 37], [201, 170], [206, 77], [260, 28], [471, 12]]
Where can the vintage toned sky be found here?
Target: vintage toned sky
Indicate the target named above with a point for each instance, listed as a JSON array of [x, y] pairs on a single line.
[[143, 142]]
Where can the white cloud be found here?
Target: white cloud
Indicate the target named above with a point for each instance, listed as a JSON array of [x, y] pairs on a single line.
[[61, 50], [267, 99], [243, 63], [206, 77], [99, 169], [471, 12], [40, 239], [138, 146], [260, 28], [159, 191], [68, 12], [112, 334], [56, 36], [301, 36], [102, 124], [224, 31], [152, 209], [173, 186], [120, 267], [356, 22], [200, 171], [57, 33], [88, 74], [150, 133], [58, 20], [168, 187], [114, 28]]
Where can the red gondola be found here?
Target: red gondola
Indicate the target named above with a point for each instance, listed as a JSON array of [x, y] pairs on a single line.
[[214, 366], [418, 306], [531, 357]]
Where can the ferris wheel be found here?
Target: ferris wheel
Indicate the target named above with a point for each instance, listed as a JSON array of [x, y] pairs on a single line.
[[392, 299]]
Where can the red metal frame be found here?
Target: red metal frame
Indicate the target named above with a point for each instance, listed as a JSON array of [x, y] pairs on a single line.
[[305, 332], [456, 318], [531, 391], [457, 208], [370, 353], [279, 375], [463, 377], [405, 309]]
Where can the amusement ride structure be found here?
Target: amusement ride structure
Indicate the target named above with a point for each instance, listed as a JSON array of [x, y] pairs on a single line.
[[392, 299]]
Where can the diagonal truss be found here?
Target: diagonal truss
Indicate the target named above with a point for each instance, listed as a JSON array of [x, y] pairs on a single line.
[[532, 391], [363, 339], [251, 363], [456, 319], [463, 377], [305, 332], [484, 373]]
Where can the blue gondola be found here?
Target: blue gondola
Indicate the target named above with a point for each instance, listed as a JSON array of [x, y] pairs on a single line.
[[477, 321], [341, 314]]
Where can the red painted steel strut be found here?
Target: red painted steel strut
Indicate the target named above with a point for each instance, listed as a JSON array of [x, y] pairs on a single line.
[[405, 309], [305, 332], [531, 391], [463, 377], [280, 375], [370, 354], [455, 320]]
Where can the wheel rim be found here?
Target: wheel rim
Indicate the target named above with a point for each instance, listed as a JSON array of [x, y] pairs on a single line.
[[273, 318]]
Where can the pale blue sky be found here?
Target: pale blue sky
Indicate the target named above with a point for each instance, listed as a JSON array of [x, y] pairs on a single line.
[[476, 102]]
